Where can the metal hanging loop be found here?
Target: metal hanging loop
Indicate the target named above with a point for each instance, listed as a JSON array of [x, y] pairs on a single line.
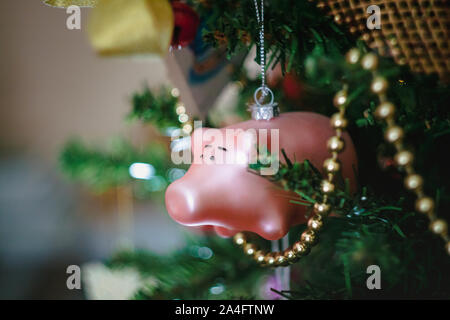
[[259, 110]]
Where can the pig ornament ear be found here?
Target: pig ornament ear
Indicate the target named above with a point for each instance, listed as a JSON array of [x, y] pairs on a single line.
[[221, 192]]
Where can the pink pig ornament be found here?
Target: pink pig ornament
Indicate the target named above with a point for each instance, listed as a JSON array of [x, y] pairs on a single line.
[[218, 189]]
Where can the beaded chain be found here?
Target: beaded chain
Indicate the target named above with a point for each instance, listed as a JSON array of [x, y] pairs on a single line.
[[394, 135], [403, 158]]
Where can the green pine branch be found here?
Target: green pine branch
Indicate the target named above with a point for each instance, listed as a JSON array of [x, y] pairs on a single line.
[[366, 228], [292, 30], [101, 169], [191, 272], [157, 107]]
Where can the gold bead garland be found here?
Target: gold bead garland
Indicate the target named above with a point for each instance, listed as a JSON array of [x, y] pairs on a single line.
[[180, 110], [403, 158], [394, 134], [321, 209]]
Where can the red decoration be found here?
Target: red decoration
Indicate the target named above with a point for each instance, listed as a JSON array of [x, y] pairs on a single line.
[[231, 198], [274, 76], [291, 84], [292, 87], [186, 24]]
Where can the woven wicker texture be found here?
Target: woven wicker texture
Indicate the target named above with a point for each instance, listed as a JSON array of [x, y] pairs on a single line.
[[413, 32]]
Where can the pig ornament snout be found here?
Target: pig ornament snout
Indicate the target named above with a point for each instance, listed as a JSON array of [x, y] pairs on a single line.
[[196, 201]]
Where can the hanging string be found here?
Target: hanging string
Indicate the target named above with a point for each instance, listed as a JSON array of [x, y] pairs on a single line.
[[262, 56], [282, 275], [261, 110]]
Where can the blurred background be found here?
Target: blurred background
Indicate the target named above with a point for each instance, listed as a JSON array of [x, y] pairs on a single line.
[[54, 87]]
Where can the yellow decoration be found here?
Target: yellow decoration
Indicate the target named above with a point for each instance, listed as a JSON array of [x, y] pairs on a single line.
[[68, 3], [131, 27]]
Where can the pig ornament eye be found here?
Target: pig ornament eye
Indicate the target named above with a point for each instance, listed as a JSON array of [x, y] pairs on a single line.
[[212, 157], [232, 199]]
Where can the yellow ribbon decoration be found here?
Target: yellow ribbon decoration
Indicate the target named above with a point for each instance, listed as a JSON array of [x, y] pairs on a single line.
[[68, 3], [129, 27]]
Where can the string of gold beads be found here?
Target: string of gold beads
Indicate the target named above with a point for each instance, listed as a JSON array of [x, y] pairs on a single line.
[[394, 134], [321, 209], [183, 117]]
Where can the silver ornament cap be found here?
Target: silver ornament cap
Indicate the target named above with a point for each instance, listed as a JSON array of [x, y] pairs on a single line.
[[264, 111]]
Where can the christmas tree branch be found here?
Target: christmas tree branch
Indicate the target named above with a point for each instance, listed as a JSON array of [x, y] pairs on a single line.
[[103, 169]]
